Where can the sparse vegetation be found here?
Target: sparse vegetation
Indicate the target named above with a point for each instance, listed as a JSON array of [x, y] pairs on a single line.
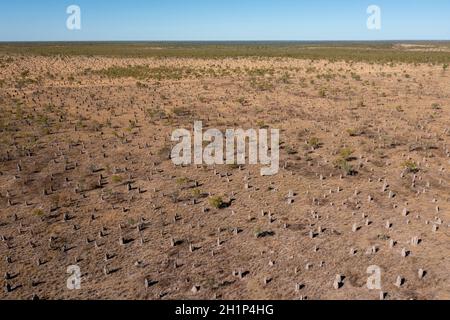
[[314, 142], [38, 212], [93, 153], [346, 153], [436, 106], [216, 202], [381, 52], [116, 179], [182, 181], [345, 166], [411, 166]]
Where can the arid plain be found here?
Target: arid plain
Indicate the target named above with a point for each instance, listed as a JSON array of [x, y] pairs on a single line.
[[86, 177]]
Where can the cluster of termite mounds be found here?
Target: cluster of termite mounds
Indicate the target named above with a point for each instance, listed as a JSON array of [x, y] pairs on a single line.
[[86, 180]]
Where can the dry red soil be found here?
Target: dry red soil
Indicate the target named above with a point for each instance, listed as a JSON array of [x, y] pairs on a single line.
[[86, 179]]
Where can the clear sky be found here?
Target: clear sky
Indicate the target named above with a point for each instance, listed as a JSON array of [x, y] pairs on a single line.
[[45, 20]]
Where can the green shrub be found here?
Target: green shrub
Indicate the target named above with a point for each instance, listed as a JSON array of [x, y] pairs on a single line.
[[38, 212], [181, 181], [116, 179], [436, 106], [345, 166], [346, 153], [314, 142], [216, 202], [411, 166]]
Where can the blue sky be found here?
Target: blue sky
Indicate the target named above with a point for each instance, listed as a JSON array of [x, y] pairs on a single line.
[[45, 20]]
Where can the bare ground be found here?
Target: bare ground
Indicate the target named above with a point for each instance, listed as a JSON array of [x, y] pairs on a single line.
[[84, 162]]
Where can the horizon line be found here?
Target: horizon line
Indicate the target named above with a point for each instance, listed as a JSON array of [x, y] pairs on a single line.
[[218, 41]]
